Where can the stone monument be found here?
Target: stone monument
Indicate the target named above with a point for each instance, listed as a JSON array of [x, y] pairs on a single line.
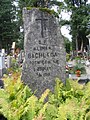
[[9, 59], [44, 51], [2, 63]]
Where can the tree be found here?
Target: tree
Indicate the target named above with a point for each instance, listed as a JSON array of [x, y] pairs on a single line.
[[79, 30], [67, 45], [8, 24], [78, 23]]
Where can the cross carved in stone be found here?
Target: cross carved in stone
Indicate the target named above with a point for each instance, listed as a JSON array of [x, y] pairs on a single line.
[[42, 24]]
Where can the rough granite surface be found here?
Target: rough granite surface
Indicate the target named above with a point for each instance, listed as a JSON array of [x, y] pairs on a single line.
[[44, 51]]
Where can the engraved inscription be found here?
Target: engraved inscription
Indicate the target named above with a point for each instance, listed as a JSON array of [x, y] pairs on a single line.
[[42, 57]]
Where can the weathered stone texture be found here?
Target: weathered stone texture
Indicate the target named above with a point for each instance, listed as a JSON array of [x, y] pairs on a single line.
[[44, 54]]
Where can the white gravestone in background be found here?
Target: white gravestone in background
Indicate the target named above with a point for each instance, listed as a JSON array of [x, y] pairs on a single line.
[[3, 52], [8, 61], [2, 65], [13, 49]]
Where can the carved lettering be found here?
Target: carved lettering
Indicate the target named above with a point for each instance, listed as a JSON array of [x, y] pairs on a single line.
[[56, 61], [42, 42], [43, 68], [37, 62], [46, 74], [42, 55], [39, 58], [39, 48], [39, 75]]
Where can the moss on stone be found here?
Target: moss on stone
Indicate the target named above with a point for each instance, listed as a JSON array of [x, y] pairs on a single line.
[[49, 11], [45, 10], [29, 8]]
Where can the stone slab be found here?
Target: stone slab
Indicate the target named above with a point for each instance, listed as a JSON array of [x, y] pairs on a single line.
[[45, 56]]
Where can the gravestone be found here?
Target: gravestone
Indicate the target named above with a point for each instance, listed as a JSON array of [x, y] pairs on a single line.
[[13, 49], [44, 51], [20, 56], [8, 61], [2, 65], [3, 52]]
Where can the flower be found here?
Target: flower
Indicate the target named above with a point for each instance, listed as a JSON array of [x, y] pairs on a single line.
[[78, 72]]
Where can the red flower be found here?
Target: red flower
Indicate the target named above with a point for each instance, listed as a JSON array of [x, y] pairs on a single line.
[[78, 72]]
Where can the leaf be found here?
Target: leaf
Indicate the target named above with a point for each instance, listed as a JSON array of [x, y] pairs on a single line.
[[43, 109], [87, 117], [44, 95], [51, 112], [68, 86], [40, 117]]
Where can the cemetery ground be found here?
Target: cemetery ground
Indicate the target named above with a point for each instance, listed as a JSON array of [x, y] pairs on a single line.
[[70, 101]]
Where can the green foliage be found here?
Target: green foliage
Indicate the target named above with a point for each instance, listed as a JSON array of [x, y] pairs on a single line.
[[37, 3], [17, 101], [8, 24], [14, 66], [51, 112], [69, 102], [72, 95], [78, 22], [67, 45], [68, 57]]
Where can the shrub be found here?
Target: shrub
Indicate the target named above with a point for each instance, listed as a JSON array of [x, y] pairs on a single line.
[[69, 102]]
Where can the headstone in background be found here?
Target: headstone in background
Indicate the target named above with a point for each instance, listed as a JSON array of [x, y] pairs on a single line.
[[13, 45], [3, 52], [20, 56], [44, 51], [8, 61], [13, 49], [2, 65], [88, 51]]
